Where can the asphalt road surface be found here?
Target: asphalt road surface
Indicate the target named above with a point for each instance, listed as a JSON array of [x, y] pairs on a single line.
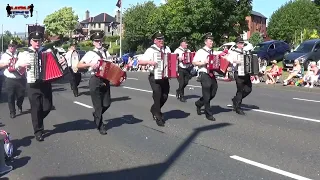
[[278, 138]]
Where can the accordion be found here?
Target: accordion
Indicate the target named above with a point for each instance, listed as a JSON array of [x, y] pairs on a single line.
[[167, 65], [12, 68], [111, 72], [249, 64], [218, 64], [74, 61], [45, 68], [187, 57]]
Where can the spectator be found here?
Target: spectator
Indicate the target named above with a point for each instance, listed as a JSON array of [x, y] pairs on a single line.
[[272, 73], [1, 79], [312, 75], [296, 71]]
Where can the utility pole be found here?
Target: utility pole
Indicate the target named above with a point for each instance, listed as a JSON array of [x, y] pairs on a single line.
[[2, 39]]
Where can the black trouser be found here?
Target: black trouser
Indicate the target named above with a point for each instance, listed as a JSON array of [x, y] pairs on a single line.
[[75, 79], [100, 96], [40, 97], [16, 89], [209, 89], [1, 82], [244, 87], [183, 79], [160, 90]]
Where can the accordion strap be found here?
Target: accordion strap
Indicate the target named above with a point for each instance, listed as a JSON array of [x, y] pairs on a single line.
[[99, 54], [152, 47]]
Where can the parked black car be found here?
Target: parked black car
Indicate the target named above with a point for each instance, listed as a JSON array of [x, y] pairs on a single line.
[[271, 50], [306, 52]]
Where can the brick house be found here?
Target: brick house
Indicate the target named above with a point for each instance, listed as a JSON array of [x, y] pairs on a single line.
[[256, 23]]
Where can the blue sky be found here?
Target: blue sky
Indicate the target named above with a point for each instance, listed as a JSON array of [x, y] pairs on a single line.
[[45, 7]]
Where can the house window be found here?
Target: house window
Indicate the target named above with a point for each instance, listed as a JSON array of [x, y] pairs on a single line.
[[109, 28], [99, 25]]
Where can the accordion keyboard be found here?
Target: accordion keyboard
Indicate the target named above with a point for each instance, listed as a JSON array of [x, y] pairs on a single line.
[[32, 70], [240, 58], [158, 69]]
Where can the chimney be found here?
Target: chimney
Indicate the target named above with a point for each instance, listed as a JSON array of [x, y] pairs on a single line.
[[87, 14], [118, 16]]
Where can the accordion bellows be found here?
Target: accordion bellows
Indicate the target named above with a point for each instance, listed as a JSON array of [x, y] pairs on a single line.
[[111, 72]]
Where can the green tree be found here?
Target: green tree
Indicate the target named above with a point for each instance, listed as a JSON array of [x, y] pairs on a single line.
[[255, 38], [61, 22], [135, 21], [292, 18], [193, 18]]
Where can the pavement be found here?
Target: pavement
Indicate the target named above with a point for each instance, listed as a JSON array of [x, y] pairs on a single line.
[[278, 138]]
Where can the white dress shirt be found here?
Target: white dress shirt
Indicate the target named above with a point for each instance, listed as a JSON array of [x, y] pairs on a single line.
[[91, 57], [201, 56], [5, 58], [233, 57], [180, 52], [148, 54]]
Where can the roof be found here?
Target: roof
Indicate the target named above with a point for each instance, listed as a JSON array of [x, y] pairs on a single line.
[[311, 41], [101, 18], [257, 14]]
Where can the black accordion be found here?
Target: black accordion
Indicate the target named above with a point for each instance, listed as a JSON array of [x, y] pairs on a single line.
[[249, 64]]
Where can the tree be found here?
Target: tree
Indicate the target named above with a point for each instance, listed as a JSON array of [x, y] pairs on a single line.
[[292, 18], [7, 37], [194, 18], [61, 22], [135, 21], [255, 38]]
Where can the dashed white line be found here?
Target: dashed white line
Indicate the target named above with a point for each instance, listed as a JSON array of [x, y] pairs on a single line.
[[309, 100], [81, 104], [133, 78], [269, 168]]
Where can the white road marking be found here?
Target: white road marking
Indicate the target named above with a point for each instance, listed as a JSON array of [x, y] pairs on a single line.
[[81, 104], [136, 89], [309, 100], [194, 86], [269, 168], [257, 110], [280, 114], [133, 78]]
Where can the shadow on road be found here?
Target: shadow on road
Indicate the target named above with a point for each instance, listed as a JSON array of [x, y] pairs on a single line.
[[175, 114], [152, 171], [117, 122]]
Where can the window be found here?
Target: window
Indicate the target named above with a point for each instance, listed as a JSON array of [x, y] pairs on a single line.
[[272, 46], [317, 46], [99, 25]]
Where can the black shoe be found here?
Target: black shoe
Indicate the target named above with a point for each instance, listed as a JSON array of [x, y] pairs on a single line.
[[198, 109], [12, 115], [39, 137], [159, 119], [177, 94], [183, 99], [240, 111], [210, 117], [103, 130], [75, 93], [20, 109]]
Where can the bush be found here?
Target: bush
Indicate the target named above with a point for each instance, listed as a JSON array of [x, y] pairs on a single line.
[[115, 50], [108, 39], [86, 43], [86, 48]]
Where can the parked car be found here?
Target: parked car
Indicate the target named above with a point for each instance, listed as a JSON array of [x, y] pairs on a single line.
[[271, 50], [232, 45], [306, 52]]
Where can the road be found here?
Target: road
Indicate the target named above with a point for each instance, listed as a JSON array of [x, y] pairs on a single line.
[[277, 139]]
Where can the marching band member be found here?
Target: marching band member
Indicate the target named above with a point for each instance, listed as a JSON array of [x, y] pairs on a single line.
[[244, 84], [39, 91], [208, 80], [75, 77], [160, 87], [183, 70], [99, 87], [15, 83]]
